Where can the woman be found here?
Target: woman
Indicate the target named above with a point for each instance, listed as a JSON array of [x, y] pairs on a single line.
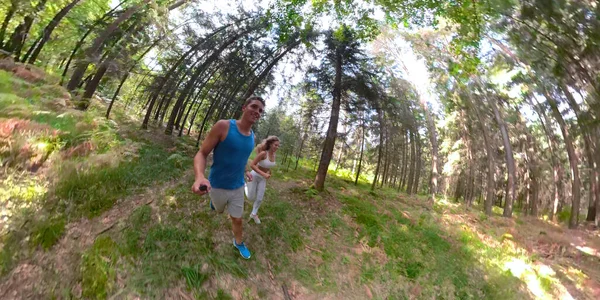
[[261, 171]]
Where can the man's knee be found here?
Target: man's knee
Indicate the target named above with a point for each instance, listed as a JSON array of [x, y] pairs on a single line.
[[236, 221]]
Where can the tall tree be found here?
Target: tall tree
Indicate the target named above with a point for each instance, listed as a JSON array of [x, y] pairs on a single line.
[[342, 53], [93, 52], [18, 37], [37, 46]]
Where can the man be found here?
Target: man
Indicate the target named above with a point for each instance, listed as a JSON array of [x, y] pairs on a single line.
[[232, 142]]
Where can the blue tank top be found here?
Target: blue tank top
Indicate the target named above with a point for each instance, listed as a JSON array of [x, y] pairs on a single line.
[[230, 158]]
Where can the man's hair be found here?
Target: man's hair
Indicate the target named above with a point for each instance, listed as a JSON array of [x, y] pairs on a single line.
[[252, 98]]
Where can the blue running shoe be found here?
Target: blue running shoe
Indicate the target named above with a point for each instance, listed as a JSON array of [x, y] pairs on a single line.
[[243, 249]]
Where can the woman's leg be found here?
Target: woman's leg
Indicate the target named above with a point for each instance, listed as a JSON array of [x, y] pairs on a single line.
[[260, 193]]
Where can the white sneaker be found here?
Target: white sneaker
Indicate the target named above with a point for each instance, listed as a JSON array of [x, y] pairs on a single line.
[[255, 218]]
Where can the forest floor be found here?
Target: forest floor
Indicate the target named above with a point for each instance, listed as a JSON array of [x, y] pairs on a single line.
[[94, 208]]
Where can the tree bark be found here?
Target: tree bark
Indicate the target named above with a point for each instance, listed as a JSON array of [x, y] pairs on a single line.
[[95, 49], [258, 80], [533, 175], [510, 160], [82, 40], [556, 166], [200, 70], [418, 163], [36, 48], [9, 15], [467, 174], [589, 150], [573, 161], [386, 157], [19, 36], [413, 158], [92, 85], [333, 123], [114, 97], [433, 188], [489, 151], [171, 71], [362, 148], [405, 160], [379, 147]]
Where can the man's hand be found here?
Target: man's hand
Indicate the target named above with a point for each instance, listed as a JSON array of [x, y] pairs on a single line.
[[249, 176], [199, 183]]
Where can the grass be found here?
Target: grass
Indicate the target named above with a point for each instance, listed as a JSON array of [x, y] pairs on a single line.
[[98, 268], [87, 184], [97, 189], [47, 232]]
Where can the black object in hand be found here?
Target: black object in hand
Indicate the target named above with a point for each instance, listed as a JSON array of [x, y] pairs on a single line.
[[203, 188]]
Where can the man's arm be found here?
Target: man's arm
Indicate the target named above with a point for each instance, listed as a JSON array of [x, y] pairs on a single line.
[[209, 143]]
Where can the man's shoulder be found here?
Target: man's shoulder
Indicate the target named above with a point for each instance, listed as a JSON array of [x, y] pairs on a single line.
[[221, 125]]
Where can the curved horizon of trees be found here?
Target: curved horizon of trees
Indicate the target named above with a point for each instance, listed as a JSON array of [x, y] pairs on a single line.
[[516, 117]]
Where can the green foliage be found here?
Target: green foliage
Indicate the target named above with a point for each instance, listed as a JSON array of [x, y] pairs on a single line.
[[96, 190], [565, 214], [193, 277], [9, 251], [98, 268], [140, 216], [284, 227], [419, 250], [6, 86], [47, 232], [223, 295], [364, 213]]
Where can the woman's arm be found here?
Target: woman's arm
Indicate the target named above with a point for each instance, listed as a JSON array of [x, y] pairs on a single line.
[[254, 165]]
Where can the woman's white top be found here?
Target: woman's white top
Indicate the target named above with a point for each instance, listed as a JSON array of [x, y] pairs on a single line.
[[266, 163]]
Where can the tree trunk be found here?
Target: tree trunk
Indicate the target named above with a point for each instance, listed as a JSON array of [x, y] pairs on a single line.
[[204, 97], [573, 160], [199, 71], [36, 48], [556, 166], [114, 98], [178, 123], [362, 148], [405, 159], [333, 123], [9, 14], [589, 152], [77, 47], [418, 163], [171, 71], [433, 188], [510, 161], [379, 147], [467, 179], [413, 159], [258, 80], [95, 49], [92, 85], [533, 175], [489, 152], [19, 36], [206, 117], [386, 162]]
